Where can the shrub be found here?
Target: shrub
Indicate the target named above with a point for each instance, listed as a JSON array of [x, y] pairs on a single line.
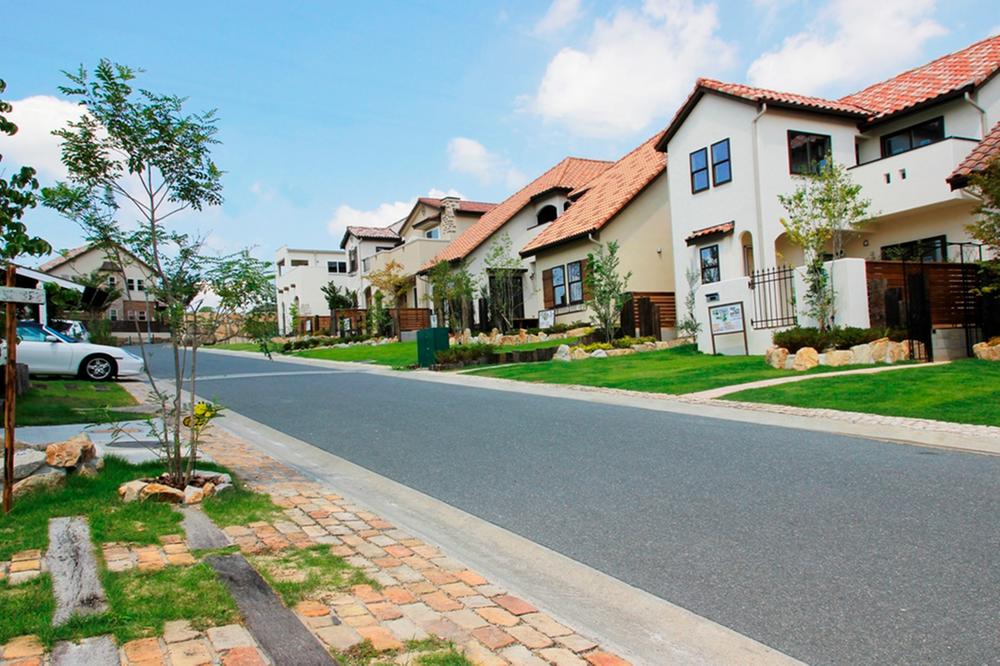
[[594, 347], [794, 339], [627, 341], [470, 353]]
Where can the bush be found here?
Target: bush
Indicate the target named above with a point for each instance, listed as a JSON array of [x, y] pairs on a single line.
[[627, 341], [794, 339], [470, 353], [561, 328], [594, 347], [100, 332]]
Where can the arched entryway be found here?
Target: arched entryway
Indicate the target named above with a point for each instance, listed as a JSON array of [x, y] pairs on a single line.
[[746, 245]]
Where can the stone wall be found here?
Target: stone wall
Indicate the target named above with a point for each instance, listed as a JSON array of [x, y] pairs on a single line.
[[988, 351], [883, 350]]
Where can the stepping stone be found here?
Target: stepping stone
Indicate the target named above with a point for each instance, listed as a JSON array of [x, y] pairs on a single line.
[[73, 567], [276, 629], [201, 531], [96, 651]]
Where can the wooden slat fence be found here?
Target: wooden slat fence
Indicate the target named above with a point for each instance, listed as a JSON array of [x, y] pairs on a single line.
[[949, 289]]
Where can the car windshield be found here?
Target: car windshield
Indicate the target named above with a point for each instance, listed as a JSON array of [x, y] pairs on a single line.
[[38, 333], [61, 336]]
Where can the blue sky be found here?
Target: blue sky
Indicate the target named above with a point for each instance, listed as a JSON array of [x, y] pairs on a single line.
[[337, 113]]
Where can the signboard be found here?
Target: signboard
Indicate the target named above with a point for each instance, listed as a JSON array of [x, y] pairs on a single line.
[[546, 318], [21, 295], [725, 319]]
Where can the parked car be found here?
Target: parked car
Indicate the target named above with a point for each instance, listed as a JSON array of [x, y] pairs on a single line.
[[48, 352], [71, 328]]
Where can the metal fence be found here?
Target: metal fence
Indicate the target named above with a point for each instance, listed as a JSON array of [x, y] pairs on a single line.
[[773, 297]]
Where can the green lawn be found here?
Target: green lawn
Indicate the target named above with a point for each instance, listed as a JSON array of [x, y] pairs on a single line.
[[528, 346], [395, 354], [964, 391], [678, 370], [235, 346], [61, 401]]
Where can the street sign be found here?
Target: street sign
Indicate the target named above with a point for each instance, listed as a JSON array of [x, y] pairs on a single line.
[[20, 295]]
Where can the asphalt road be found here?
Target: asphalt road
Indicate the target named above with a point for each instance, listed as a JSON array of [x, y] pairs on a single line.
[[834, 550]]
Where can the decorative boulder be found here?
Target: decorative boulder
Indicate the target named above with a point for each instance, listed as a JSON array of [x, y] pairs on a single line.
[[862, 354], [562, 353], [222, 487], [208, 489], [90, 468], [839, 357], [160, 493], [129, 492], [599, 353], [805, 359], [880, 349], [193, 495], [71, 452], [776, 357], [894, 352], [578, 354], [644, 347], [579, 332], [26, 462], [44, 477], [620, 352], [543, 336], [985, 351]]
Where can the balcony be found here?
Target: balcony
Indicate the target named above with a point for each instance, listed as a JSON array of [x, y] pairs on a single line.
[[913, 179], [412, 254]]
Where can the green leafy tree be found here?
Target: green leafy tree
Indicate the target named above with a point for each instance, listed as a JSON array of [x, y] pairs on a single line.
[[689, 326], [338, 298], [376, 318], [451, 293], [822, 211], [138, 154], [244, 294], [503, 271], [986, 226], [394, 285], [607, 288], [17, 195]]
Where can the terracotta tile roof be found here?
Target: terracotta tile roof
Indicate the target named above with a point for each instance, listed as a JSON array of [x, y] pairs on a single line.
[[70, 255], [370, 233], [968, 68], [714, 230], [463, 205], [976, 161], [570, 173], [781, 98], [604, 197]]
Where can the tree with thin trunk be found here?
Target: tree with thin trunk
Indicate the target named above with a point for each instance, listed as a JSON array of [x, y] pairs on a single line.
[[139, 150], [394, 285], [338, 299], [607, 288], [503, 271], [17, 195], [985, 228]]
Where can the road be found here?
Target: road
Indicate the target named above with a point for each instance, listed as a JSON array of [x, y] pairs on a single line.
[[832, 549]]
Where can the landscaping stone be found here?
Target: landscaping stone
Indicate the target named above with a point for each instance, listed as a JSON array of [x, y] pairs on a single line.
[[862, 354], [76, 581], [96, 651], [228, 637], [193, 495], [189, 653], [620, 352], [26, 462], [879, 350], [562, 353], [178, 631], [839, 357], [158, 492], [43, 477], [599, 353], [129, 492], [90, 468], [340, 637], [988, 350], [22, 647], [71, 452], [805, 359], [776, 357], [894, 352]]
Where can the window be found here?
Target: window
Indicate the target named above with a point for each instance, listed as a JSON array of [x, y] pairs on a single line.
[[547, 214], [336, 267], [352, 258], [300, 262], [140, 284], [130, 284], [722, 171], [574, 272], [385, 248], [433, 233], [807, 152], [699, 170], [141, 314], [559, 286], [31, 334], [709, 264], [112, 281], [918, 135], [130, 315], [928, 249], [113, 314]]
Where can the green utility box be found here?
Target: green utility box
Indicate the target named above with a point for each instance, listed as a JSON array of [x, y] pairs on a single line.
[[429, 342]]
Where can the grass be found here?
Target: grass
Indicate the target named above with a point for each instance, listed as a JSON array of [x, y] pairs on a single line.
[[544, 344], [235, 346], [679, 370], [964, 391], [395, 354], [239, 506], [427, 652], [61, 401], [296, 574], [26, 526]]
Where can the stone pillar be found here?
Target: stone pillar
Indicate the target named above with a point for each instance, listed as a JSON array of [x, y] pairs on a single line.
[[448, 207]]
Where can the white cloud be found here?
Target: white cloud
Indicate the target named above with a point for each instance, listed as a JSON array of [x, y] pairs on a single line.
[[846, 46], [471, 157], [381, 216], [34, 145], [262, 191], [637, 65], [561, 14]]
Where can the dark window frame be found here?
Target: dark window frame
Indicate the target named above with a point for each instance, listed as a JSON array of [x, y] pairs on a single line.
[[908, 132], [715, 164], [915, 250], [556, 300], [813, 165], [701, 170], [570, 282], [703, 266]]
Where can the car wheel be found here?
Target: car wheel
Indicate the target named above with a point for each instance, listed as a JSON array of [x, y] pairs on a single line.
[[98, 368]]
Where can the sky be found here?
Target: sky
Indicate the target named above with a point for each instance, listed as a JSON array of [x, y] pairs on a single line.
[[343, 112]]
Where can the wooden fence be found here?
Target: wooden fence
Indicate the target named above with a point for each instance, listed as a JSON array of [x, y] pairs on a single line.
[[412, 319], [948, 288], [649, 311]]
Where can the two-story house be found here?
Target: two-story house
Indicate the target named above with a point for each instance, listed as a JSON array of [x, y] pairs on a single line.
[[735, 148], [360, 244], [299, 278], [521, 217]]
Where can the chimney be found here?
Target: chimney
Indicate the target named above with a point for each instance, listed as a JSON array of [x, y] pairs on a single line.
[[448, 207]]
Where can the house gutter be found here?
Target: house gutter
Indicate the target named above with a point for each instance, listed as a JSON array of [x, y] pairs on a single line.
[[982, 114], [758, 257]]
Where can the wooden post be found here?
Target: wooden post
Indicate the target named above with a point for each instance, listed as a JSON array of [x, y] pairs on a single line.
[[10, 394]]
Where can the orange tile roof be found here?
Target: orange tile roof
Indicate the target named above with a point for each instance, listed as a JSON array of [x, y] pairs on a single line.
[[570, 173], [63, 258], [976, 161], [714, 230], [463, 205], [967, 68], [605, 196], [369, 233], [782, 98]]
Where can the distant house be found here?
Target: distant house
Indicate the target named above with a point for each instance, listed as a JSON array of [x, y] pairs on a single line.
[[628, 203], [300, 276], [909, 142], [521, 216]]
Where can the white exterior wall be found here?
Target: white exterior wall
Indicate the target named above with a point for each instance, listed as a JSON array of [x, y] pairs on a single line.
[[304, 284]]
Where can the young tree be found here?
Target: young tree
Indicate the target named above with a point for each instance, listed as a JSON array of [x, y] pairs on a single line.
[[690, 327], [17, 195], [243, 288], [986, 227], [141, 150], [607, 288], [337, 299], [503, 271], [452, 291], [394, 285], [821, 212]]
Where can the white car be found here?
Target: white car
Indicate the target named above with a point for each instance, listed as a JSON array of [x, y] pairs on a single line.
[[47, 352]]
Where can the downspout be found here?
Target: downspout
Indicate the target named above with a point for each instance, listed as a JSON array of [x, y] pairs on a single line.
[[982, 115], [758, 258], [590, 237]]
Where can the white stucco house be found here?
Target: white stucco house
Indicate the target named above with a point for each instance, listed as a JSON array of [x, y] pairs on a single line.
[[300, 275], [734, 148]]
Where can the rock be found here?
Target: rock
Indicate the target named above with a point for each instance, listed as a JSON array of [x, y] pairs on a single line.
[[839, 357], [880, 348], [214, 477], [644, 347], [160, 493], [620, 352], [70, 452], [562, 353], [193, 495], [789, 362], [90, 468], [862, 354], [984, 351], [665, 344], [776, 357], [208, 489], [578, 354], [599, 353], [522, 335], [44, 477], [805, 359], [26, 462], [222, 487], [894, 352], [579, 332], [543, 336], [129, 492], [466, 336]]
